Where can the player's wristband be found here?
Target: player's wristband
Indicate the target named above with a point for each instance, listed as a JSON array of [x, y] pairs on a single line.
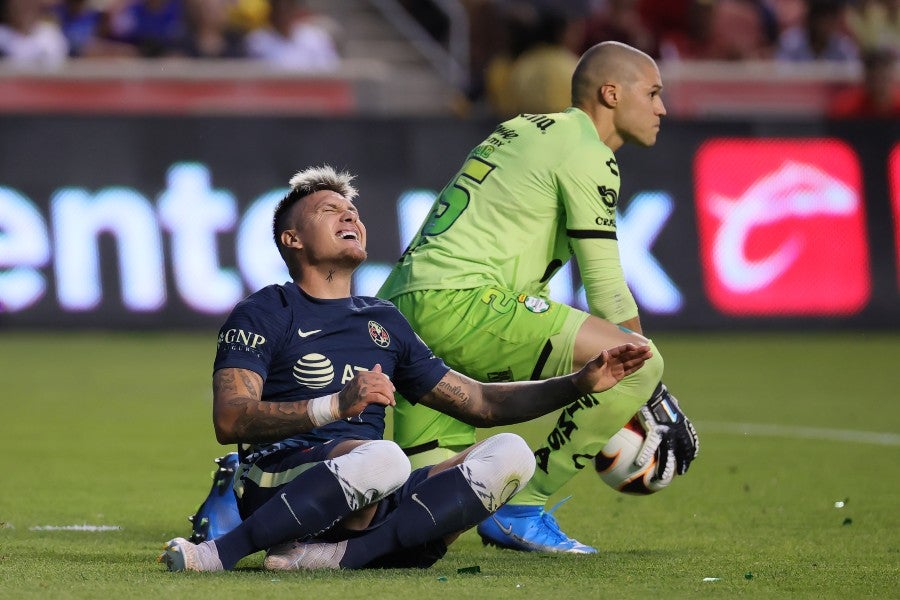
[[323, 410]]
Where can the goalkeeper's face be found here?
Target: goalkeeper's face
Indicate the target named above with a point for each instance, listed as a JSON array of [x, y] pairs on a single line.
[[640, 111]]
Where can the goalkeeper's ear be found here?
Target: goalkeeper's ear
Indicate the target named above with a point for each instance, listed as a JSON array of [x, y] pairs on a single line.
[[608, 95]]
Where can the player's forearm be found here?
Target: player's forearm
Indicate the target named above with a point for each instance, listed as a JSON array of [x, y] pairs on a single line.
[[607, 292], [490, 405], [239, 414], [240, 419], [518, 402]]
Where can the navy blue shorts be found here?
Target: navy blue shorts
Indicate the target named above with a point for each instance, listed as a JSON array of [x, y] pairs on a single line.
[[291, 463]]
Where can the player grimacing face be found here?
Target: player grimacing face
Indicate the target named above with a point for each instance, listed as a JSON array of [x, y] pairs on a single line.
[[330, 230], [639, 113]]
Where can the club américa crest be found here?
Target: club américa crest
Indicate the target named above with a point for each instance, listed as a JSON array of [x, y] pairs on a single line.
[[379, 334]]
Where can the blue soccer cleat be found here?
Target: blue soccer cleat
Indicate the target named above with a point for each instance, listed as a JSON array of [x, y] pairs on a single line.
[[219, 512], [528, 529]]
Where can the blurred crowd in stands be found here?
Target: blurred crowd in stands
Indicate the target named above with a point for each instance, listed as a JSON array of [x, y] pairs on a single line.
[[542, 39], [522, 52], [45, 33]]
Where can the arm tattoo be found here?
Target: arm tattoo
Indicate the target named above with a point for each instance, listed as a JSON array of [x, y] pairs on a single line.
[[223, 382], [454, 393], [459, 397], [245, 417], [250, 384], [261, 421], [488, 405]]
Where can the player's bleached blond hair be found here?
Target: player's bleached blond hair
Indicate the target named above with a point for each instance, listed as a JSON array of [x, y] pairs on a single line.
[[316, 179], [306, 182]]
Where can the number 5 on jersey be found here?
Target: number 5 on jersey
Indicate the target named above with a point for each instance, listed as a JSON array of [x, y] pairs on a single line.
[[451, 202]]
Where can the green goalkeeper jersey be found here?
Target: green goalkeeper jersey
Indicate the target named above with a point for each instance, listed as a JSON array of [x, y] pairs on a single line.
[[539, 189]]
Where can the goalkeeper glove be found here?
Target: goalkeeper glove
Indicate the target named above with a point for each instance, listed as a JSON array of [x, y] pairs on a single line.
[[668, 430], [656, 444]]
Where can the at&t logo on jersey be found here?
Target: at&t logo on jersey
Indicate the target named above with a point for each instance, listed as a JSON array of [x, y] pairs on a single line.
[[314, 371], [782, 227], [379, 334]]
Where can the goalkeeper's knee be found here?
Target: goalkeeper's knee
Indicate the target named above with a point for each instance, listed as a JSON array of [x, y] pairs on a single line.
[[642, 383]]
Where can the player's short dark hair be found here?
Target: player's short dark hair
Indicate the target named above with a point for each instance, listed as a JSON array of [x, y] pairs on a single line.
[[600, 62], [306, 182]]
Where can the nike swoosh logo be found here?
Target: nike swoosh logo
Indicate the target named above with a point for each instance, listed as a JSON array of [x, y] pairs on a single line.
[[293, 514], [507, 530], [415, 498], [304, 334]]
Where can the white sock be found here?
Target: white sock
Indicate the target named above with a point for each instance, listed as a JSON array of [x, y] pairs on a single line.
[[497, 468], [370, 472]]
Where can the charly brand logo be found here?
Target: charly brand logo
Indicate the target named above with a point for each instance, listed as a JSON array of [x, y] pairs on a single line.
[[313, 371], [609, 197], [379, 334], [782, 228]]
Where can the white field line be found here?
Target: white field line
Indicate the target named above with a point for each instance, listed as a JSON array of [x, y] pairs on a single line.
[[84, 527], [794, 432]]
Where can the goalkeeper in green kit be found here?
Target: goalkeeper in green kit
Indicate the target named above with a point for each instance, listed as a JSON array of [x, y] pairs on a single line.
[[473, 283]]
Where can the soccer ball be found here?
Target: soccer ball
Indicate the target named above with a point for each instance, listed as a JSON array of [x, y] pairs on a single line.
[[616, 467]]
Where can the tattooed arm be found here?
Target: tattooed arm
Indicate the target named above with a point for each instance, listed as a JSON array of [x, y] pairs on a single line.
[[491, 404], [241, 415]]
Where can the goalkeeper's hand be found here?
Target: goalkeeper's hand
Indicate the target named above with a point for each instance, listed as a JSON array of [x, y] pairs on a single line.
[[669, 431], [656, 443]]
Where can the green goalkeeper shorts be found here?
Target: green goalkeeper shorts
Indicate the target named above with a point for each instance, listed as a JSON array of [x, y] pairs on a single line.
[[489, 334]]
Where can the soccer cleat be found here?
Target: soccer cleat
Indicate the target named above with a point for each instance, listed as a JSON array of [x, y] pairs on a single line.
[[528, 529], [181, 555], [219, 512], [295, 556]]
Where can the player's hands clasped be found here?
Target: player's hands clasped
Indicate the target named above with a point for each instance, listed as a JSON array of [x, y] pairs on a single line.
[[611, 366], [367, 387]]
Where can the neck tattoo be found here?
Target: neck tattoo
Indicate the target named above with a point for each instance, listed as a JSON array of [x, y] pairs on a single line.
[[330, 276]]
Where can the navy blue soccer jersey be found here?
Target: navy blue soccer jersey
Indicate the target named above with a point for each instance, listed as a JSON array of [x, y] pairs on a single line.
[[304, 347]]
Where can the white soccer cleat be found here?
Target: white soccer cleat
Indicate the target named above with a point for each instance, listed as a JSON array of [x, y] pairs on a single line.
[[181, 555], [295, 556]]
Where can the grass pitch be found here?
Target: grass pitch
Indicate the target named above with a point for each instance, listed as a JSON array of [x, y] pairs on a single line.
[[115, 431]]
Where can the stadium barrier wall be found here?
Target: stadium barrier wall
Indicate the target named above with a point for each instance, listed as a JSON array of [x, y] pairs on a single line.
[[164, 222]]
